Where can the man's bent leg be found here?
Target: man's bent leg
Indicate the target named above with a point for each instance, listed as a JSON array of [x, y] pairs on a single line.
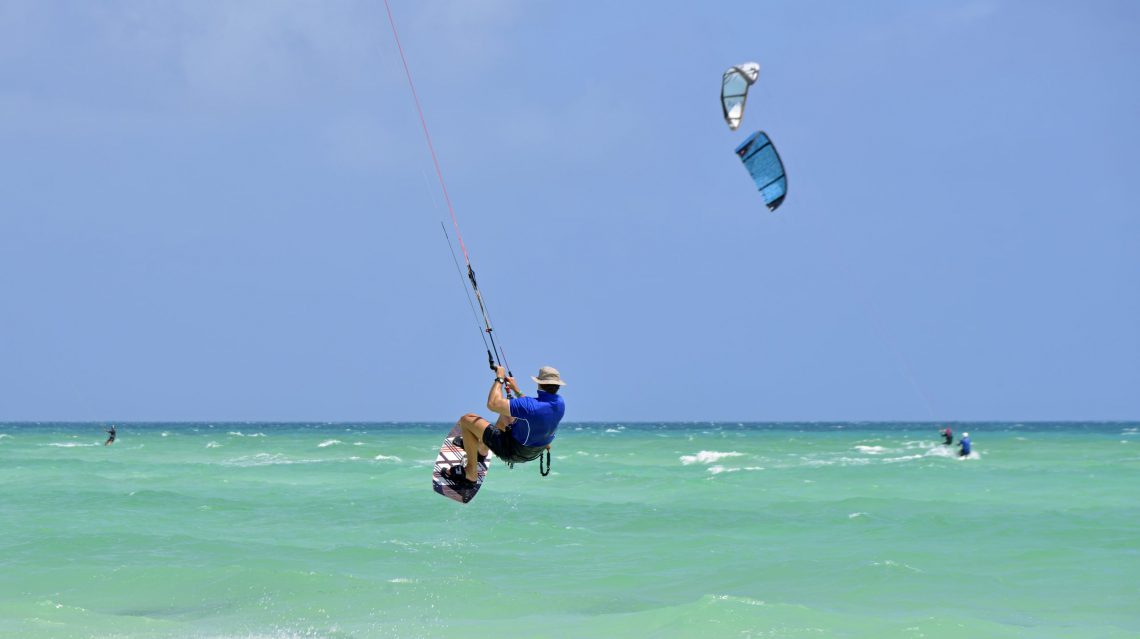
[[471, 426]]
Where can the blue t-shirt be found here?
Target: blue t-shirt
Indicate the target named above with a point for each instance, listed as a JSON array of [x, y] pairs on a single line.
[[536, 419], [965, 444]]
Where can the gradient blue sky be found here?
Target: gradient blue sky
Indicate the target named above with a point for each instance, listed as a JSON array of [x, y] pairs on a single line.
[[227, 210]]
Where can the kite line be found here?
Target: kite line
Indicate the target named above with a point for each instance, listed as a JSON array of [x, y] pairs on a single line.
[[495, 354]]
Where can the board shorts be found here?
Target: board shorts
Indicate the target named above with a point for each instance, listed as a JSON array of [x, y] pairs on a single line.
[[507, 448]]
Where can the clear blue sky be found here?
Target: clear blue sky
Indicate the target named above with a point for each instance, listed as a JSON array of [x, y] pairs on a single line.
[[227, 210]]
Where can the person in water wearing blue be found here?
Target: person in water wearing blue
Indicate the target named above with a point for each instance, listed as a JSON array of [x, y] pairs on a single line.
[[964, 445], [525, 427]]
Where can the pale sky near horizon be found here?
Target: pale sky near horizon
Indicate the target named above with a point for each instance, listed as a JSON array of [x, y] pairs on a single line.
[[227, 211]]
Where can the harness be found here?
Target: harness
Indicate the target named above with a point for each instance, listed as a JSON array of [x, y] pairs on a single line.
[[543, 464], [545, 470]]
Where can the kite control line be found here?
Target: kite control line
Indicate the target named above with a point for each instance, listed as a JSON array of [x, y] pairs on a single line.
[[495, 355], [467, 292]]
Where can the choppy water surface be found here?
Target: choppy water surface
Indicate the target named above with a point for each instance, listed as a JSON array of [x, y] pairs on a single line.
[[642, 530]]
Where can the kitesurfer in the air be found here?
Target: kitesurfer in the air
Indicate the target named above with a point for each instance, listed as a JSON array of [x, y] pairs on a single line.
[[524, 429], [964, 445], [111, 436], [947, 436]]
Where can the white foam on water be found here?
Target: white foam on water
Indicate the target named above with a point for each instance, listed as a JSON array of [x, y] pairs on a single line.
[[357, 443], [707, 457], [839, 461], [58, 606], [329, 442], [238, 433], [389, 458], [267, 459], [739, 599], [872, 450], [856, 515], [942, 451], [70, 445], [895, 460], [718, 469], [890, 563], [213, 445]]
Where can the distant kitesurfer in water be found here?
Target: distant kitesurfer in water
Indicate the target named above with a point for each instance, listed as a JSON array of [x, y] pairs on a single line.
[[964, 445], [111, 438], [525, 427], [947, 436]]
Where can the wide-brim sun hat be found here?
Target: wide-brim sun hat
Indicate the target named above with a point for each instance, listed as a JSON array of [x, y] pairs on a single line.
[[548, 376]]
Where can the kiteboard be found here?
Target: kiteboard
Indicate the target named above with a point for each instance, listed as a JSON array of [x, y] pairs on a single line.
[[451, 455]]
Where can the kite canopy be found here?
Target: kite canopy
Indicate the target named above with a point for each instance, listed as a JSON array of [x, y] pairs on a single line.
[[734, 91], [765, 167]]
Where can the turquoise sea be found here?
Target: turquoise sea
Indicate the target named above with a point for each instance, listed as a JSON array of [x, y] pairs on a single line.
[[275, 531]]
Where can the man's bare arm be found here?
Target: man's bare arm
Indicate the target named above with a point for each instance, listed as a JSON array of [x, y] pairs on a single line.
[[495, 399]]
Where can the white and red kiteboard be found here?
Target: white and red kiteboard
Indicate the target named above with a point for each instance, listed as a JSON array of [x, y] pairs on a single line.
[[451, 455]]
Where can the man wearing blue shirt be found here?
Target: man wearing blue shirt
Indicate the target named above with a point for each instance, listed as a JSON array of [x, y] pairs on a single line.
[[525, 427], [964, 445]]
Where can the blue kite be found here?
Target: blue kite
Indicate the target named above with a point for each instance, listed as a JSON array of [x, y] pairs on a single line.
[[763, 163]]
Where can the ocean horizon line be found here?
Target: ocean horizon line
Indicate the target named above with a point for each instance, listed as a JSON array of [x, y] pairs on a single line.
[[730, 423]]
